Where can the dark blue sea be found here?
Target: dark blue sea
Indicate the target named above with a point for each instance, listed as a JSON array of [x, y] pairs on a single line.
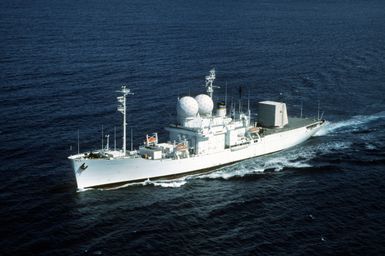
[[61, 63]]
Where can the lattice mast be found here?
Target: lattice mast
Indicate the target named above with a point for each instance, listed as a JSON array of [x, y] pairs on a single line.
[[122, 109], [209, 83]]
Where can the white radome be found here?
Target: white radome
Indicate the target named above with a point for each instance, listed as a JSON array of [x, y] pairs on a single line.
[[187, 107], [205, 104]]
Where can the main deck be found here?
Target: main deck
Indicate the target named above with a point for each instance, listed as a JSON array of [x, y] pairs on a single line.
[[294, 123]]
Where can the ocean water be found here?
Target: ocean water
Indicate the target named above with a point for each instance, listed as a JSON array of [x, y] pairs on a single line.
[[62, 61]]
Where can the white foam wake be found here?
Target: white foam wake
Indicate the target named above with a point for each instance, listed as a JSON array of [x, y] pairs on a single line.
[[175, 183], [295, 158], [353, 124], [172, 183], [79, 190]]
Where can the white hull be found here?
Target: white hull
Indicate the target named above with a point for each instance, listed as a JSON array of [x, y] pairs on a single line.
[[103, 171]]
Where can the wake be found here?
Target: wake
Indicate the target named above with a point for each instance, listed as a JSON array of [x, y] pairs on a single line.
[[353, 124], [295, 158]]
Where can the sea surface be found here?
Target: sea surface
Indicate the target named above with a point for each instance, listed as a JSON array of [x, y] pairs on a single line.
[[61, 63]]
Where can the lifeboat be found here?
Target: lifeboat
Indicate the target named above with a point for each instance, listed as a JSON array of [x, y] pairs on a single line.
[[254, 130], [181, 147]]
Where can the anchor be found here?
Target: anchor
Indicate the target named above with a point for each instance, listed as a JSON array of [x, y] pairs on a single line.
[[82, 168]]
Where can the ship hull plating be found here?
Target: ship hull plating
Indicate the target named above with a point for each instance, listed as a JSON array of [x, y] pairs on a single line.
[[99, 172]]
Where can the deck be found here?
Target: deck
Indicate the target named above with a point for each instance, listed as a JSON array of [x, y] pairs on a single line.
[[294, 123]]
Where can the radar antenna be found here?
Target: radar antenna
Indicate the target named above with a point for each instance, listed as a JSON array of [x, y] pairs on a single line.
[[122, 109], [209, 83]]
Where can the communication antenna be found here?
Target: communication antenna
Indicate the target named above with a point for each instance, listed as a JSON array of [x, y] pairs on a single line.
[[318, 110], [209, 83], [122, 109], [301, 108], [108, 142], [78, 143], [226, 94], [318, 102], [114, 138], [232, 107], [131, 140], [240, 89], [248, 104], [102, 138], [282, 100]]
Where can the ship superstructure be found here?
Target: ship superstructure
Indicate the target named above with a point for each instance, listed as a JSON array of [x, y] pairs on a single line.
[[200, 139]]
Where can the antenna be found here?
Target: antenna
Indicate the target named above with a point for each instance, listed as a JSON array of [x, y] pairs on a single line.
[[132, 142], [282, 101], [114, 138], [209, 83], [102, 138], [248, 104], [318, 103], [318, 110], [232, 107], [226, 94], [122, 109], [301, 108], [108, 142], [240, 100], [78, 143]]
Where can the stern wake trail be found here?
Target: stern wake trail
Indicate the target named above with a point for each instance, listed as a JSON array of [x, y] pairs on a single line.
[[353, 124]]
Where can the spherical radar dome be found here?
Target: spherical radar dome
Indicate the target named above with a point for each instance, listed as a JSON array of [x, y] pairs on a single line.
[[205, 104], [187, 107]]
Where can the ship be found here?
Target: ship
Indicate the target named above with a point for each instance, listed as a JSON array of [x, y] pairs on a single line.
[[202, 138]]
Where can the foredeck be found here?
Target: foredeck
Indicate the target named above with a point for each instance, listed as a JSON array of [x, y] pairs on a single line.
[[294, 123]]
